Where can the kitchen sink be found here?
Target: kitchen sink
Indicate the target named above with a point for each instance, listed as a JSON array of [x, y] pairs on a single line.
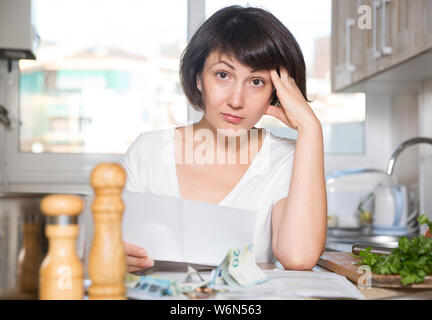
[[342, 240]]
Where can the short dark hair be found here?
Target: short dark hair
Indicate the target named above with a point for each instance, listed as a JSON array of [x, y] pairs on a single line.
[[254, 36]]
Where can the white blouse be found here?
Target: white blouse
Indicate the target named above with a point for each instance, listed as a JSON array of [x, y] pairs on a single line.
[[150, 167]]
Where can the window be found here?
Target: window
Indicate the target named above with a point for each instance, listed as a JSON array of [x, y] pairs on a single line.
[[109, 72], [342, 115], [105, 72], [96, 85]]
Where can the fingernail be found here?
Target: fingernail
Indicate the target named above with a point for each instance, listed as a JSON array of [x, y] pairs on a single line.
[[151, 263], [143, 252]]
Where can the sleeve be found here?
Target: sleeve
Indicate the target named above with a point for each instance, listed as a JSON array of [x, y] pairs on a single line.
[[133, 162], [284, 173]]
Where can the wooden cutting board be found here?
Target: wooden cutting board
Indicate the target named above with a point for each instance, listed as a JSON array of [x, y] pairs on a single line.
[[343, 264]]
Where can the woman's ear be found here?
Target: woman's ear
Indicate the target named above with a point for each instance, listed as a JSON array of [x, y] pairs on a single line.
[[198, 83]]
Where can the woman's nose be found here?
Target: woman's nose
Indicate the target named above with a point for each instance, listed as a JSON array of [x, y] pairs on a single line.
[[235, 99]]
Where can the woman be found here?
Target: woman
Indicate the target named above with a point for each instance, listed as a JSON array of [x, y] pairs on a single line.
[[242, 63]]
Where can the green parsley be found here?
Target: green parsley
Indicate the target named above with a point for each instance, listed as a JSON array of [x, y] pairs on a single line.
[[423, 219], [412, 259]]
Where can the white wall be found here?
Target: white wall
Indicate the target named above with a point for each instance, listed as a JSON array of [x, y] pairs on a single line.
[[425, 129], [377, 140], [405, 125]]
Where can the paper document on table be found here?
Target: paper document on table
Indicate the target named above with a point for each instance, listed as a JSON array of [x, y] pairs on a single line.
[[281, 285], [288, 284], [173, 229]]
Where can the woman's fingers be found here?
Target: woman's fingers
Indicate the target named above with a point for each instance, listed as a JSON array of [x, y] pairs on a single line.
[[282, 83], [284, 75], [295, 110], [286, 79], [136, 257], [277, 81], [139, 262], [134, 250]]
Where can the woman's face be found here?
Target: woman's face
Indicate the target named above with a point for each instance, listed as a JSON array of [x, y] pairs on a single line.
[[229, 88]]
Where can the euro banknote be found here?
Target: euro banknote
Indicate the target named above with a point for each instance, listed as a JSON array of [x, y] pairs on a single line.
[[239, 268]]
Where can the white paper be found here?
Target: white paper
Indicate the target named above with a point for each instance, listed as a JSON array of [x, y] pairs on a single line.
[[282, 285], [174, 229], [288, 284]]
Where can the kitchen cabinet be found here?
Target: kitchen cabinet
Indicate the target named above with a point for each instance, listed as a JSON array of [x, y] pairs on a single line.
[[398, 30], [347, 41]]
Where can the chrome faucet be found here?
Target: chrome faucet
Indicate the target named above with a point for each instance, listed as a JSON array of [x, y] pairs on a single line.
[[402, 147]]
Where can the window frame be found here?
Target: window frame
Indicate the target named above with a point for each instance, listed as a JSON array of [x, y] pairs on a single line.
[[53, 168]]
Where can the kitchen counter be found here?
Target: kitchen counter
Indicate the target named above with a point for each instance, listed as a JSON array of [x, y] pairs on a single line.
[[376, 293], [384, 293]]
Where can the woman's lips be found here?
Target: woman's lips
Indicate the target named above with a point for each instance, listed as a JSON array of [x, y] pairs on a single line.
[[231, 118]]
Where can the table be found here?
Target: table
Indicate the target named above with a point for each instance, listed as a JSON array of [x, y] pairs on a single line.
[[375, 293]]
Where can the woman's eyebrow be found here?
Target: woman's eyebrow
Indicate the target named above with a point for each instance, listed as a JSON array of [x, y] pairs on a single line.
[[222, 61], [258, 70], [232, 67]]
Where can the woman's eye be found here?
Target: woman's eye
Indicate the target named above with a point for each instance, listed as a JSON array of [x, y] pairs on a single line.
[[258, 82], [222, 75]]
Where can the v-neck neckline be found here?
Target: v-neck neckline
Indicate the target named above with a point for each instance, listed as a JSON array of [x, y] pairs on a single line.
[[239, 183]]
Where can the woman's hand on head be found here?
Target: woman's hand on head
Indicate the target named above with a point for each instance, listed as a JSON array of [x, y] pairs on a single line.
[[136, 258], [294, 111]]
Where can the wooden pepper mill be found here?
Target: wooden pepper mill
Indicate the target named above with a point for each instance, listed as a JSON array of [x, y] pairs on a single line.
[[61, 275], [30, 255], [107, 260]]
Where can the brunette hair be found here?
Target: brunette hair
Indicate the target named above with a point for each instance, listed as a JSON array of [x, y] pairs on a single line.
[[254, 36]]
